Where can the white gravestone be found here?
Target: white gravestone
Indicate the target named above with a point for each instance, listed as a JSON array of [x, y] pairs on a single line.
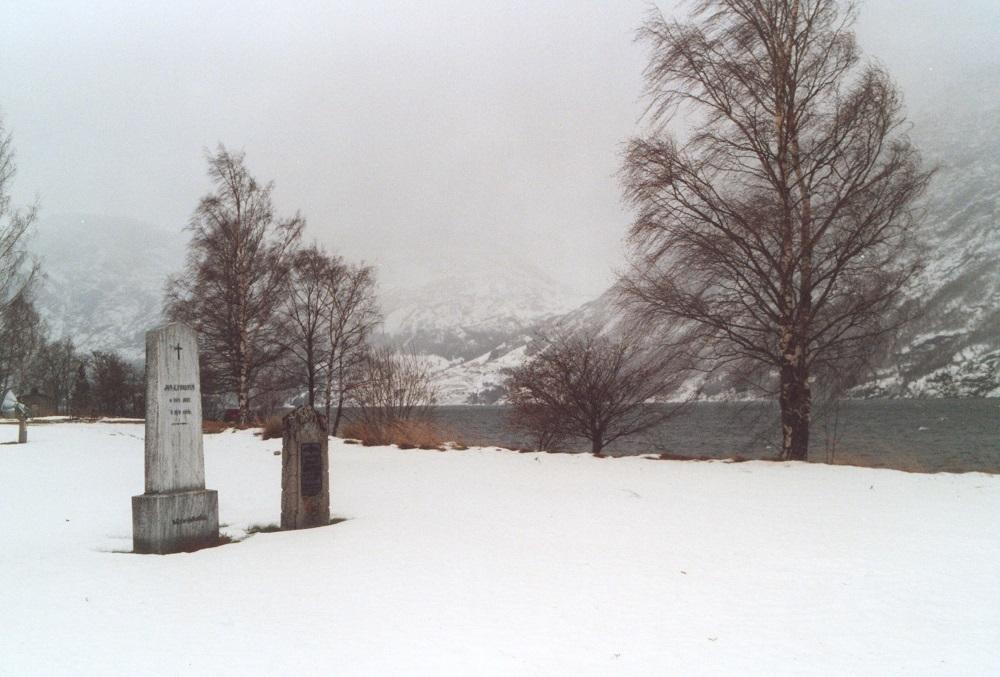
[[176, 513]]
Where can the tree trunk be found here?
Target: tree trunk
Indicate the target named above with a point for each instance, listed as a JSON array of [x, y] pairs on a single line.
[[340, 411], [796, 408], [243, 396], [597, 445], [327, 392], [311, 373]]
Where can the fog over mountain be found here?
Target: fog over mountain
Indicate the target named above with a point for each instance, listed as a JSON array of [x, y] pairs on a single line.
[[953, 348], [103, 278], [469, 151], [401, 130]]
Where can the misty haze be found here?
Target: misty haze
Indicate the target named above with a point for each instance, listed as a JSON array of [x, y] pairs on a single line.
[[517, 338]]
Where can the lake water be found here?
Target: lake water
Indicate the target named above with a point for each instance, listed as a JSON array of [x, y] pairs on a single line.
[[952, 435]]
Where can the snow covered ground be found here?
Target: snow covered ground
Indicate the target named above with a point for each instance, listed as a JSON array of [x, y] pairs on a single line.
[[492, 562]]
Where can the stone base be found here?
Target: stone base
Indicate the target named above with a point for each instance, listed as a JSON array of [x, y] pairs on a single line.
[[309, 514], [177, 522]]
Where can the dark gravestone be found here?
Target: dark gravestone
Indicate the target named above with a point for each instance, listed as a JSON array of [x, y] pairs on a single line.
[[305, 470]]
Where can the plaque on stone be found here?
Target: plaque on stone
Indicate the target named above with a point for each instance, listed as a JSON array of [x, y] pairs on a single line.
[[176, 513], [312, 468], [305, 470]]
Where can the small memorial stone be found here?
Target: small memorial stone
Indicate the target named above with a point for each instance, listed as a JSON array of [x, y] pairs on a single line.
[[176, 513], [305, 470]]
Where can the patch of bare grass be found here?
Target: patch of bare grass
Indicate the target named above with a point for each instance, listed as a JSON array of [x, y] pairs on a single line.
[[209, 427]]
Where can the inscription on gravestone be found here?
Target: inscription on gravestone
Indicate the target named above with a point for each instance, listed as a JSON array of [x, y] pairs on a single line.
[[311, 461], [176, 512]]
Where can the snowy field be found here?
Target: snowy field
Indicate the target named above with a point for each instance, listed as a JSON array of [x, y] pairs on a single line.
[[492, 562]]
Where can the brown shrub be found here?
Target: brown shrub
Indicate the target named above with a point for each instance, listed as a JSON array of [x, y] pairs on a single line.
[[209, 427], [272, 428], [404, 434], [366, 433], [419, 434]]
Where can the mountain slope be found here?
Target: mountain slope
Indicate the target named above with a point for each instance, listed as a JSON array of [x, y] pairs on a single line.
[[103, 279], [953, 349], [479, 380], [460, 316]]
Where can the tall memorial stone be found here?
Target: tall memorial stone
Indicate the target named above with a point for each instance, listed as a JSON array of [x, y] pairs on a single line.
[[176, 513], [305, 470]]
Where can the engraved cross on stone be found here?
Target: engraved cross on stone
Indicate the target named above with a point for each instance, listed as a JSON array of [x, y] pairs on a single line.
[[178, 349]]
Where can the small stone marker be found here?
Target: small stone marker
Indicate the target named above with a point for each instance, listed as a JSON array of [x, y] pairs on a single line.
[[305, 470], [22, 426], [176, 513]]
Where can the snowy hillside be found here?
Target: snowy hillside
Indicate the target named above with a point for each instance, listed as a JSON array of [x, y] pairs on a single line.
[[953, 349], [489, 562], [464, 314], [478, 380], [104, 278]]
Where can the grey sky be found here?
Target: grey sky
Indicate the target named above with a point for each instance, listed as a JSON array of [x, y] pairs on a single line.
[[407, 133]]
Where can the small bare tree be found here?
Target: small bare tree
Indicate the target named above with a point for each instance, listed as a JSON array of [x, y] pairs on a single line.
[[238, 261], [393, 388], [596, 387], [117, 385], [54, 370], [781, 229], [22, 336], [351, 316]]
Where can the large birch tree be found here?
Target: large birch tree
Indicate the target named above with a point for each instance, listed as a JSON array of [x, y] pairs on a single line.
[[781, 226], [230, 291]]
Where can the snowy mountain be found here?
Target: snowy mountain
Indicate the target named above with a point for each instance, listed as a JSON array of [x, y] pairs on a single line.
[[461, 316], [103, 279], [105, 276], [479, 380], [953, 349]]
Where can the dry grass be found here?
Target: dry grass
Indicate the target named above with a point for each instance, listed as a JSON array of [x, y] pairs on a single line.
[[404, 434], [272, 428], [209, 427]]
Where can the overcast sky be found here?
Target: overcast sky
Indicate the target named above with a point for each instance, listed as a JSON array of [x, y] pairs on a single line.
[[417, 135]]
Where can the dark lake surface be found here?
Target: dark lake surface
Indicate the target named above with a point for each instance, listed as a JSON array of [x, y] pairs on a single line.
[[954, 435]]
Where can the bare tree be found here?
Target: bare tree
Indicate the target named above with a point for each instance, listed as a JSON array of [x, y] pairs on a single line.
[[55, 370], [81, 398], [17, 269], [393, 388], [21, 330], [22, 336], [780, 228], [591, 386], [117, 385], [352, 315], [238, 260], [305, 316], [542, 423]]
